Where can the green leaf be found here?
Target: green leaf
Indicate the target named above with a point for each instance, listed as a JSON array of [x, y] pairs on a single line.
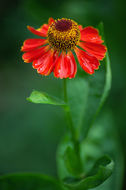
[[61, 165], [43, 98], [99, 173], [28, 182], [98, 92], [68, 163], [77, 99], [103, 139], [108, 76], [92, 176], [87, 93], [71, 161]]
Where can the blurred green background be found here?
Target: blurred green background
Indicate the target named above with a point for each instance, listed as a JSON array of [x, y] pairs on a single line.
[[29, 133]]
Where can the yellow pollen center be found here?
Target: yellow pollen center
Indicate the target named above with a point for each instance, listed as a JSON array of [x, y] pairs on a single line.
[[63, 34]]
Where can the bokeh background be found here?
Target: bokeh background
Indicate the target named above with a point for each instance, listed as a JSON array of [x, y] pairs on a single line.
[[29, 133]]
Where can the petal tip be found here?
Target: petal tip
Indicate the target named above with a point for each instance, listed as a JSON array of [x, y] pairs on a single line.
[[21, 48], [50, 20], [26, 61]]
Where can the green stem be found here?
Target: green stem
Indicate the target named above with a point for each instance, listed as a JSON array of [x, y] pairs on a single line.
[[68, 114], [65, 90], [70, 122]]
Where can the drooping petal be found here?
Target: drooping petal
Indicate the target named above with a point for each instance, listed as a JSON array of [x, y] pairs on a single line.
[[34, 54], [72, 66], [90, 34], [45, 64], [38, 32], [88, 62], [31, 44], [60, 70], [55, 56], [65, 66], [37, 62], [97, 50]]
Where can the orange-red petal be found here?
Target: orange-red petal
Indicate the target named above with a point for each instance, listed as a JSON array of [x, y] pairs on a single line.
[[97, 50], [80, 27], [31, 44], [90, 34], [38, 32], [65, 66], [45, 64], [69, 58], [88, 62], [42, 31], [51, 20], [34, 54]]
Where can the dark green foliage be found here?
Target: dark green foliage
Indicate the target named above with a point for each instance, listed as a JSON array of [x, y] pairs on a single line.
[[28, 182]]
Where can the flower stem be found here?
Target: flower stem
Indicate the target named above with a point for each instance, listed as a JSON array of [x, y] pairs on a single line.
[[67, 109], [70, 122]]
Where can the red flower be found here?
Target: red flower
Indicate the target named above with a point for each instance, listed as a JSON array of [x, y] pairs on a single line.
[[53, 53]]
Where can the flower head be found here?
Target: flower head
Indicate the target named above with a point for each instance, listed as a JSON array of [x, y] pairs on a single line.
[[54, 53]]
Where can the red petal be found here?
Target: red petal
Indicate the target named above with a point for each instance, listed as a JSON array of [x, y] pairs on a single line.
[[97, 50], [88, 62], [37, 62], [31, 44], [90, 34], [65, 66], [43, 29], [60, 70], [34, 54], [80, 27], [45, 64], [72, 66], [37, 32], [51, 20]]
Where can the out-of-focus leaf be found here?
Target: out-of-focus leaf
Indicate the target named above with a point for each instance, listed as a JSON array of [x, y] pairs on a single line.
[[43, 98], [68, 164], [103, 139], [72, 162], [108, 75], [28, 182], [77, 99], [87, 93], [99, 173], [61, 166], [99, 87]]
